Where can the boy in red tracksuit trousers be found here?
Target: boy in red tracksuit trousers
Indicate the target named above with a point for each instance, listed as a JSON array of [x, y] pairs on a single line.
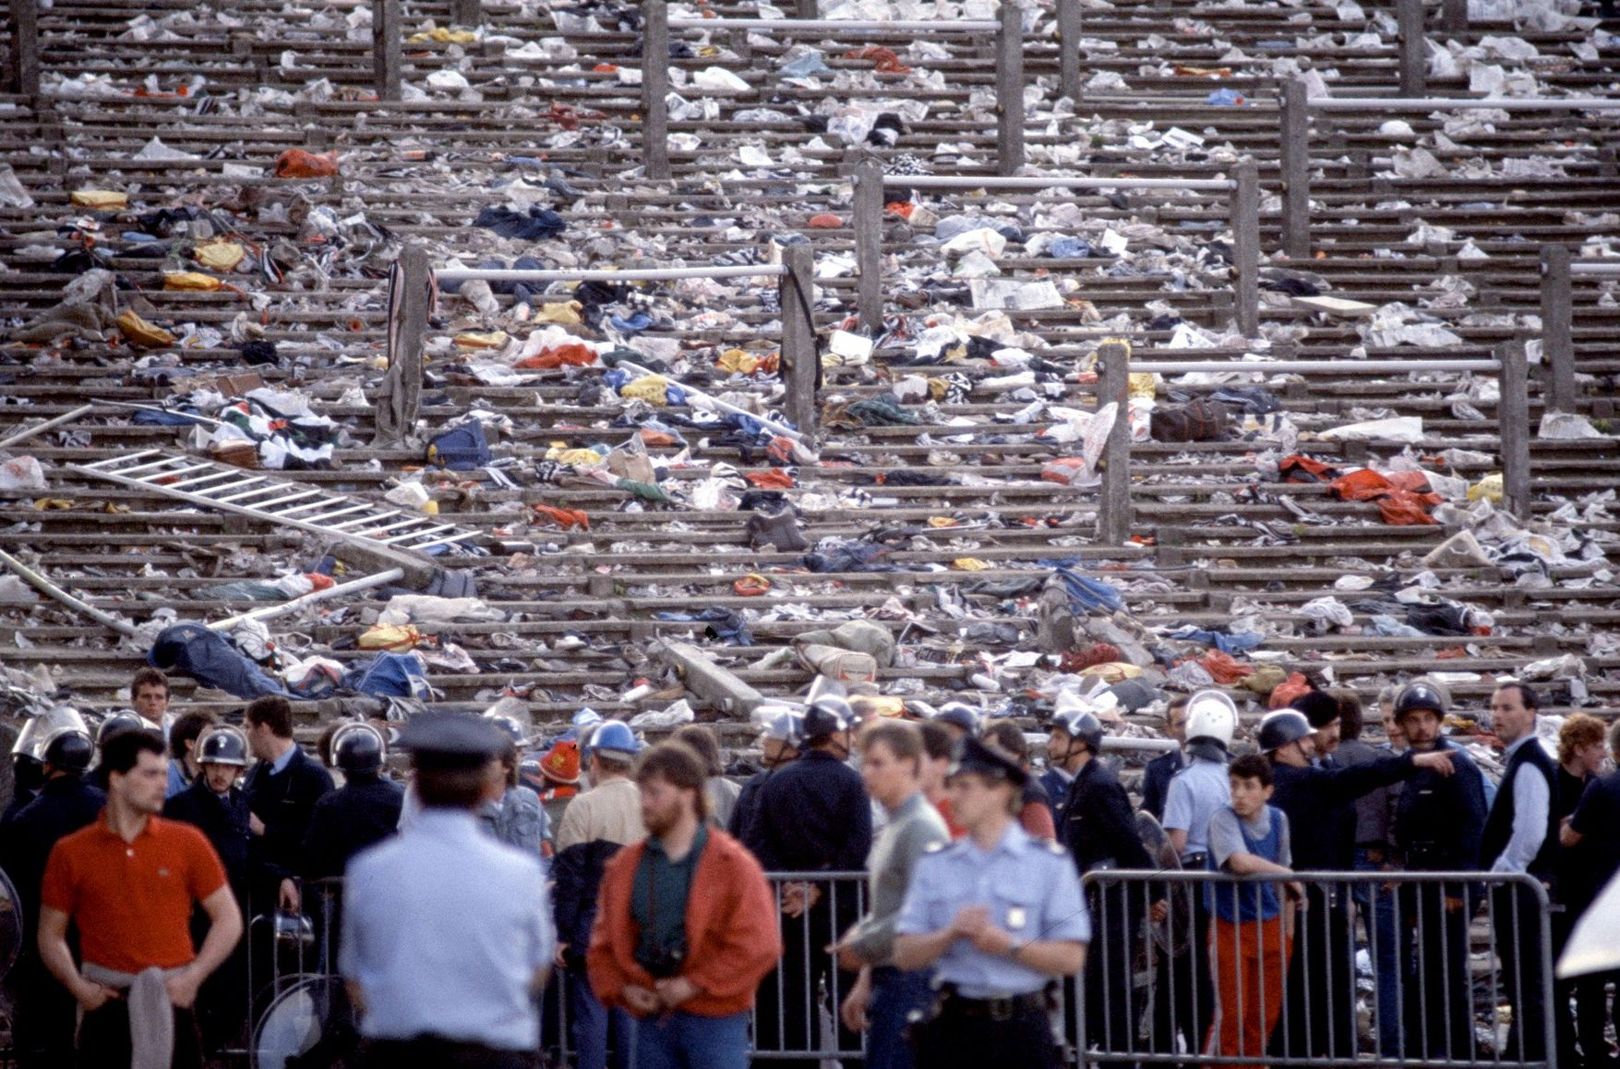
[[1251, 930]]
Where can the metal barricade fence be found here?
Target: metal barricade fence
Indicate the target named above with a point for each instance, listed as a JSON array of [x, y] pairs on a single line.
[[795, 1014], [1192, 967]]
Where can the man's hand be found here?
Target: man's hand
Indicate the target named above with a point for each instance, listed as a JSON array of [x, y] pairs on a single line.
[[291, 901], [182, 988], [1159, 911], [675, 990], [1435, 761], [557, 959], [1454, 904], [255, 825], [641, 1000], [993, 940], [970, 921], [853, 1010], [798, 897], [1296, 891], [92, 996]]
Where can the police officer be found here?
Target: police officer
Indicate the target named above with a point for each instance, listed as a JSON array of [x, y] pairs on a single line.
[[1161, 770], [362, 812], [997, 915], [43, 1020], [446, 934], [814, 815], [778, 745], [115, 724], [1185, 999], [1438, 824], [216, 806], [1319, 1012], [1100, 831]]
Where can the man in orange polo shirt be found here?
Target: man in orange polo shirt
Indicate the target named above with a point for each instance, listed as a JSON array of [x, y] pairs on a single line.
[[129, 883]]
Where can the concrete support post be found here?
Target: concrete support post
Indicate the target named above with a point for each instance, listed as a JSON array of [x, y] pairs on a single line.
[[1295, 146], [801, 363], [1069, 29], [655, 89], [386, 30], [1246, 245], [1010, 90], [868, 226], [1454, 16], [24, 73], [1413, 46], [399, 402], [466, 12], [1513, 424], [1557, 328], [1114, 510]]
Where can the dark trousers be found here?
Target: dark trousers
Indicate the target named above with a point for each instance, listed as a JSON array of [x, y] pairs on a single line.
[[43, 1016], [1519, 925], [104, 1039], [431, 1052], [788, 1006], [1319, 1006], [953, 1039], [1110, 971], [1183, 989], [1437, 994]]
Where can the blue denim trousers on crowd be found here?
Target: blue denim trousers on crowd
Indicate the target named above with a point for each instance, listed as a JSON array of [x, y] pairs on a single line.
[[686, 1041], [595, 1027], [1378, 910], [894, 995]]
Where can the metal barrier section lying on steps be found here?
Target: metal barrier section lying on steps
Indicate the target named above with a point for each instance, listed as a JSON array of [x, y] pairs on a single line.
[[273, 500]]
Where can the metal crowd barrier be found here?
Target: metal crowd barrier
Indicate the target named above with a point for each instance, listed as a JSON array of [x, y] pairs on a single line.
[[1441, 953], [795, 1013], [1167, 982]]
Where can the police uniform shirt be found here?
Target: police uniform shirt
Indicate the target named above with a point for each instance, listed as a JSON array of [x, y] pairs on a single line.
[[63, 806], [1195, 794], [1156, 779], [362, 812], [1439, 820], [814, 815], [444, 929], [1031, 890], [1099, 828]]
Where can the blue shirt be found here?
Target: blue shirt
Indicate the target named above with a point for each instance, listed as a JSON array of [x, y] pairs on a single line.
[[1031, 890], [177, 780], [444, 929], [1196, 792]]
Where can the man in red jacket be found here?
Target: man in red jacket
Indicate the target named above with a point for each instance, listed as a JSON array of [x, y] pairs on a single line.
[[686, 927]]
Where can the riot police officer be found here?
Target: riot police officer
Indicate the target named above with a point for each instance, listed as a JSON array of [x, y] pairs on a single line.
[[217, 807], [997, 915], [1438, 824], [365, 810], [1100, 831], [1319, 1016], [44, 1012]]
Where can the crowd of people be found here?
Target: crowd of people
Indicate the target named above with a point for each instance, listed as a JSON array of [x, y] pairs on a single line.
[[629, 881]]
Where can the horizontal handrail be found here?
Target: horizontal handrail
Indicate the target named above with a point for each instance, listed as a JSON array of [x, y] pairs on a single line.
[[1455, 103], [465, 274], [833, 25], [1058, 182]]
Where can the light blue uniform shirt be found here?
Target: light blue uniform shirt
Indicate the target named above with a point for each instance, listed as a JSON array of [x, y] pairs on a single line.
[[1195, 793], [1032, 892], [444, 929]]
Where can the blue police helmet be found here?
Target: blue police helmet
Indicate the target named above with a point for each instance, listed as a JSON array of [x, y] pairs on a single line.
[[615, 738]]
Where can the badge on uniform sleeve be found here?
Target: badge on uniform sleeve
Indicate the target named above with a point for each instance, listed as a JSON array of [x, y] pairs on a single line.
[[1016, 917]]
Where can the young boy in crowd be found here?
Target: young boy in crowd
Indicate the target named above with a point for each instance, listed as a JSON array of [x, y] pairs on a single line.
[[1252, 926]]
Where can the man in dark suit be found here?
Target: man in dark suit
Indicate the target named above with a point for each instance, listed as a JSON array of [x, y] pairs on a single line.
[[1162, 769], [281, 790]]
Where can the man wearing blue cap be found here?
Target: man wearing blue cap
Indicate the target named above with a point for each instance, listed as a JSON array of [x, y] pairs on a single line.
[[595, 827], [997, 915], [446, 933]]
